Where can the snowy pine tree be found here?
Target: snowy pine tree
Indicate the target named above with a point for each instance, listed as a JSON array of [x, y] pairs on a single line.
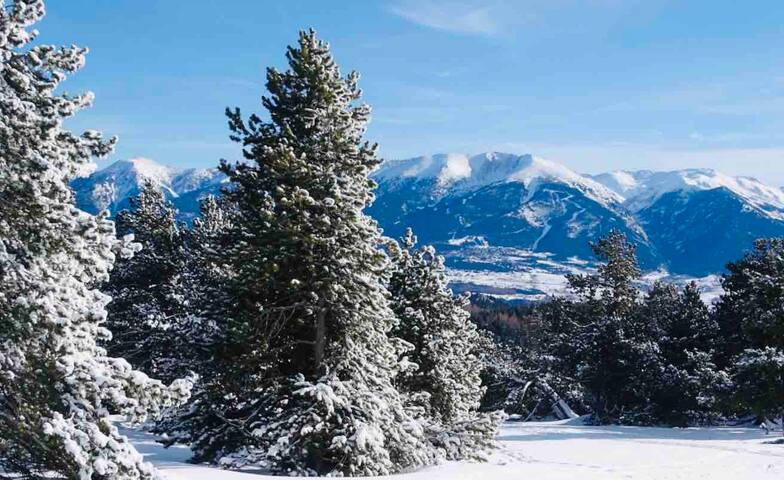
[[315, 392], [690, 387], [619, 366], [617, 356], [559, 347], [751, 318], [209, 281], [634, 360], [57, 386], [751, 311], [437, 325], [213, 341], [759, 377], [444, 378], [149, 294]]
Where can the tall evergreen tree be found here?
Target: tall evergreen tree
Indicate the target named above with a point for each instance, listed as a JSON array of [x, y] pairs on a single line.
[[759, 379], [213, 339], [691, 387], [209, 281], [751, 318], [318, 365], [437, 324], [149, 294], [618, 363], [559, 347], [445, 376], [56, 384], [750, 311]]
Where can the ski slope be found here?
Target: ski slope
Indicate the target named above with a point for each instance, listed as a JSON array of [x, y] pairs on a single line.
[[565, 450]]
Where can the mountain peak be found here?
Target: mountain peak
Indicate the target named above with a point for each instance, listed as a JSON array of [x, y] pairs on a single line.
[[641, 189], [135, 170], [111, 187], [140, 164], [445, 168], [457, 171]]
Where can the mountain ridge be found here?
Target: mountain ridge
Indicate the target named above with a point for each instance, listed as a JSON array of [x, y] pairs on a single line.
[[110, 188], [642, 188], [504, 212], [465, 172]]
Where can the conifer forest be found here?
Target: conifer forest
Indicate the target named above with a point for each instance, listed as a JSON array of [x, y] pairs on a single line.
[[311, 307]]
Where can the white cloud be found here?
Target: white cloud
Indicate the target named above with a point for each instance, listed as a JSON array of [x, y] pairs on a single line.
[[450, 16], [496, 18], [697, 136]]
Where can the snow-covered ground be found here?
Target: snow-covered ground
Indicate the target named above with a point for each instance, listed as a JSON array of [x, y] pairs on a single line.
[[568, 450], [542, 277]]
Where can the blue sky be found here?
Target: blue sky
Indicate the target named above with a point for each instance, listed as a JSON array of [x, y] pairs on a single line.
[[593, 84]]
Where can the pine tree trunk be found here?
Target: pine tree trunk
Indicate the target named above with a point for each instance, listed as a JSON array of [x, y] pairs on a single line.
[[321, 338], [319, 344]]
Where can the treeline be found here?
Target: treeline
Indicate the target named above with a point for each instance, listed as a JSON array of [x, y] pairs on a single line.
[[656, 357]]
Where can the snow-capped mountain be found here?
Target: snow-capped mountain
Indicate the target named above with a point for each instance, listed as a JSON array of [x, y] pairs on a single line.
[[112, 187], [459, 172], [519, 217], [699, 218], [643, 188], [497, 200]]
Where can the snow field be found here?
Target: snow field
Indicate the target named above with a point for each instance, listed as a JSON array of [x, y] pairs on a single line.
[[565, 450]]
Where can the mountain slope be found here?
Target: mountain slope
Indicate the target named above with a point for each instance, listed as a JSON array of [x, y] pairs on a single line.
[[698, 232], [641, 189], [699, 219], [496, 213], [501, 200], [112, 187]]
